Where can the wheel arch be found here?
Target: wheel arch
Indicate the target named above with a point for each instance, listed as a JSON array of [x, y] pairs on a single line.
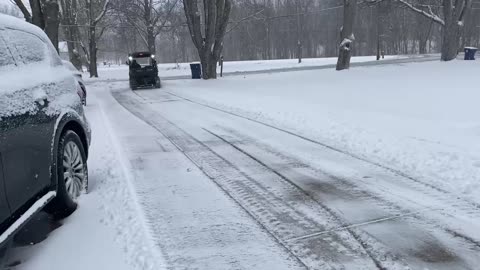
[[77, 128], [68, 121]]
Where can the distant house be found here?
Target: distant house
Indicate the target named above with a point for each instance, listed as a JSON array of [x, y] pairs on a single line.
[[63, 50]]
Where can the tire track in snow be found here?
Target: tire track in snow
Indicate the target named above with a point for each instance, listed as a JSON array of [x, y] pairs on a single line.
[[414, 180], [332, 213], [434, 250], [265, 204], [449, 205], [348, 190]]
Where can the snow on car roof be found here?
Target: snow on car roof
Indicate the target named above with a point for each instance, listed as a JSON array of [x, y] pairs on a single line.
[[7, 21]]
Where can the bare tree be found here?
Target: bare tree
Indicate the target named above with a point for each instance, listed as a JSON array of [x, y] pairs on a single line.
[[148, 17], [454, 13], [209, 40], [52, 21], [95, 15], [44, 14], [346, 34], [69, 15], [268, 29]]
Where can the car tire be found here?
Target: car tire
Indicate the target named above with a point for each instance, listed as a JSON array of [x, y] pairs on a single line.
[[158, 83], [71, 162]]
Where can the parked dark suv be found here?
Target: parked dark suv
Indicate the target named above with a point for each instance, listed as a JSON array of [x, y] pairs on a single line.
[[44, 135]]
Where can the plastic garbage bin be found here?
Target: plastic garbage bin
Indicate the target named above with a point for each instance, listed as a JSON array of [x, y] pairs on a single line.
[[470, 53], [196, 70]]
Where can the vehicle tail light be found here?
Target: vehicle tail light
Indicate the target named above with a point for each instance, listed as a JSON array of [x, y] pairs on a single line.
[[79, 91]]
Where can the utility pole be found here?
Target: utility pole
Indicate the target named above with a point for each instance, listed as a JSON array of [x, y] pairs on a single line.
[[92, 41], [299, 33], [378, 31]]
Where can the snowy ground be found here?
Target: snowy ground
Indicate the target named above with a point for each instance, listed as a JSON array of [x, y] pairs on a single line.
[[115, 72], [372, 168], [409, 117]]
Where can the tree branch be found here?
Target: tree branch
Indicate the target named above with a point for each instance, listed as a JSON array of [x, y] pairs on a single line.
[[26, 13], [102, 13], [237, 23], [430, 14]]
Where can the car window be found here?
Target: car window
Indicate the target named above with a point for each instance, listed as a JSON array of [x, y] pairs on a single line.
[[30, 48], [70, 66], [55, 59], [6, 59], [143, 61]]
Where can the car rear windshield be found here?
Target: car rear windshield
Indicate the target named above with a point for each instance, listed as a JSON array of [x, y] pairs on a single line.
[[143, 61], [6, 58], [30, 47]]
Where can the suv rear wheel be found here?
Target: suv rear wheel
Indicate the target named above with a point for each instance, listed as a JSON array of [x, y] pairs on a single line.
[[72, 175]]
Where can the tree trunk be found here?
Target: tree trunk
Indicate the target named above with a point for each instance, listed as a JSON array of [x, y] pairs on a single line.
[[52, 21], [69, 18], [424, 41], [24, 10], [379, 24], [209, 66], [422, 47], [450, 40], [93, 52], [86, 56], [37, 14], [299, 51], [209, 40], [299, 34], [347, 36], [74, 56], [268, 42], [151, 40]]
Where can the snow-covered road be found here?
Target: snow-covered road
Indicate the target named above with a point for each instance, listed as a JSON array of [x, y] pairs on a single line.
[[281, 171], [330, 212]]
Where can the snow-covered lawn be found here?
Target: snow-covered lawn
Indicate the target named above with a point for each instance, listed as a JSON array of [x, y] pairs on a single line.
[[150, 207], [422, 119], [115, 72]]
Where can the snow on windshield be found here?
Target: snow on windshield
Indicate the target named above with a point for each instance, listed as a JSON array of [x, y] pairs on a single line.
[[32, 47], [5, 58]]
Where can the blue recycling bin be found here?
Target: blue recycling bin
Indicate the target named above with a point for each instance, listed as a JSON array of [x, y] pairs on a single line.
[[196, 70], [470, 53]]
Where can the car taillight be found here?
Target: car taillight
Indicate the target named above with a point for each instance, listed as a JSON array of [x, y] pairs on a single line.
[[79, 91]]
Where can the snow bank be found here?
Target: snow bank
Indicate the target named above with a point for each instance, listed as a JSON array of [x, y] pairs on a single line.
[[421, 119], [183, 69]]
